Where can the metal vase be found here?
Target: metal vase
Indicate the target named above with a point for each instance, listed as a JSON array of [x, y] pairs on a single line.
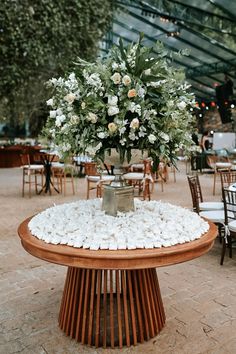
[[118, 196]]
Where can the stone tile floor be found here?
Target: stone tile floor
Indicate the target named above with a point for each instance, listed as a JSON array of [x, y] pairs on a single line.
[[199, 296]]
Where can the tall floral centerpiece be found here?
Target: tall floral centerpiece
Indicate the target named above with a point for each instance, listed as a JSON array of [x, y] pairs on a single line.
[[131, 99]]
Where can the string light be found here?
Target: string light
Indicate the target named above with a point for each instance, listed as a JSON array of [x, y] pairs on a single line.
[[164, 19], [173, 34]]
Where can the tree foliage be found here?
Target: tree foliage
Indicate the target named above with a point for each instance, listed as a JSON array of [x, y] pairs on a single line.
[[40, 39]]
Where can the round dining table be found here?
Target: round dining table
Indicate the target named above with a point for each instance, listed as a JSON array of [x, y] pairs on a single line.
[[112, 298]]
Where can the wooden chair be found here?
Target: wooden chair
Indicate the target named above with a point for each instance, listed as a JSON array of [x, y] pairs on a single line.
[[216, 215], [227, 178], [31, 174], [218, 164], [63, 174], [142, 180], [92, 176], [197, 198], [229, 198]]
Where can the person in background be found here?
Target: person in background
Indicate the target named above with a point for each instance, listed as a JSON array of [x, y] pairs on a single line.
[[205, 143], [195, 138]]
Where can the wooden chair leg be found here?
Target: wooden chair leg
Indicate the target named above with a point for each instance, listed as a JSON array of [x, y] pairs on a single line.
[[88, 189], [35, 182], [29, 184], [42, 174], [72, 183], [23, 184], [214, 183], [64, 182]]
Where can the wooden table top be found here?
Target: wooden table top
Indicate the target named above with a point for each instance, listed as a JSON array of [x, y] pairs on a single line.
[[118, 259]]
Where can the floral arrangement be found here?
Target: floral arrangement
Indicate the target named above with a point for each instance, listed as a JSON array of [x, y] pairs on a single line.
[[131, 99]]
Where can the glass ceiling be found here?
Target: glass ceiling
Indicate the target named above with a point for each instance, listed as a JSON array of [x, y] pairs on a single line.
[[205, 27]]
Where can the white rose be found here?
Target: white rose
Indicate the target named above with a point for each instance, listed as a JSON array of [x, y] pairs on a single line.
[[152, 138], [181, 105], [116, 77], [59, 112], [122, 66], [112, 110], [165, 137], [92, 117], [134, 123], [126, 80], [53, 114], [83, 105], [114, 66], [112, 127], [50, 102], [70, 98], [53, 81], [141, 92], [101, 135], [112, 100], [74, 119], [72, 76], [59, 120]]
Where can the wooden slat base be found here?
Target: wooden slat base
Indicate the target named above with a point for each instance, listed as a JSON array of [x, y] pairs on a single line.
[[111, 308]]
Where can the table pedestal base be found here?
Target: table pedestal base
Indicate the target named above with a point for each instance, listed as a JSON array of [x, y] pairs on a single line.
[[111, 308]]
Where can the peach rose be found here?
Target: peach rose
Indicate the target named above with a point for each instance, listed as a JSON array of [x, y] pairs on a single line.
[[132, 93]]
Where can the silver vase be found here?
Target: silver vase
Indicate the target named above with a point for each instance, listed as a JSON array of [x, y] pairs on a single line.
[[118, 196]]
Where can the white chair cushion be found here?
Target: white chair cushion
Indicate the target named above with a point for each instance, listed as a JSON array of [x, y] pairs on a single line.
[[223, 164], [134, 176], [93, 178], [211, 206], [33, 167], [216, 216], [232, 225], [58, 164], [107, 178]]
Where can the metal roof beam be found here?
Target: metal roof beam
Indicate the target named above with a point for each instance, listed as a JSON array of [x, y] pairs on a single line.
[[185, 18], [198, 34], [167, 45], [204, 12], [222, 8], [154, 25], [211, 69]]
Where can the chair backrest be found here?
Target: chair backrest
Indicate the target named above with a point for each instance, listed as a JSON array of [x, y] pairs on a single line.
[[147, 166], [227, 178], [229, 198], [90, 169], [213, 159], [25, 159], [196, 193]]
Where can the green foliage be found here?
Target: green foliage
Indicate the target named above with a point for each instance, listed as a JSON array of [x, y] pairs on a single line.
[[40, 39]]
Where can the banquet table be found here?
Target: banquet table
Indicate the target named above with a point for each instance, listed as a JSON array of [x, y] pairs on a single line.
[[112, 298]]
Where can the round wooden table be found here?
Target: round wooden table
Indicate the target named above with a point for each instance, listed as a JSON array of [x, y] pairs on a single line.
[[112, 298]]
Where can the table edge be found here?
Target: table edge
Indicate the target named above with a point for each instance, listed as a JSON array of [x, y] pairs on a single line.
[[117, 259]]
